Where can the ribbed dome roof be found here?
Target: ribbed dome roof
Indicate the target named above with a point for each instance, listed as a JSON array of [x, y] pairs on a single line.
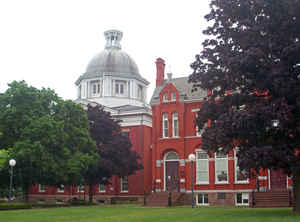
[[112, 61]]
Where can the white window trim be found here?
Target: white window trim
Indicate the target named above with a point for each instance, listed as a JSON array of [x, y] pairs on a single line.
[[165, 100], [124, 191], [163, 125], [119, 83], [59, 190], [235, 170], [42, 190], [202, 182], [101, 191], [203, 204], [96, 84], [79, 190], [173, 128], [216, 177], [199, 133], [173, 99], [241, 204]]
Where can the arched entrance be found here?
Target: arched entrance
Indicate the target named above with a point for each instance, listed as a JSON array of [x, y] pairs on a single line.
[[171, 165]]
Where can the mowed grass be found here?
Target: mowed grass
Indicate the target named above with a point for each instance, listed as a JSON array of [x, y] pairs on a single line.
[[134, 213]]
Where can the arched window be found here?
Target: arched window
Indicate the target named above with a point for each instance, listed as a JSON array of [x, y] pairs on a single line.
[[171, 156]]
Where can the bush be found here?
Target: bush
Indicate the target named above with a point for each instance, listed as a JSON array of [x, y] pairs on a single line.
[[15, 206], [76, 202]]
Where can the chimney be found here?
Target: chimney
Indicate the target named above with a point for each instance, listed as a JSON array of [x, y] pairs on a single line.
[[160, 71]]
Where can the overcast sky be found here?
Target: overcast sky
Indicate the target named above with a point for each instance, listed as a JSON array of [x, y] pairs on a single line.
[[48, 43]]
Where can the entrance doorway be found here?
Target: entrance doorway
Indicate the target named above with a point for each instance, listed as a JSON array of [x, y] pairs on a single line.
[[171, 171]]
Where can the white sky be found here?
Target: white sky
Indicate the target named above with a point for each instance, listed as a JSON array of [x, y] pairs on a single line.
[[48, 43]]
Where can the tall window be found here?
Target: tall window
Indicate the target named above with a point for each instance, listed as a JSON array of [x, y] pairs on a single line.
[[42, 188], [120, 88], [173, 96], [95, 87], [201, 131], [165, 97], [140, 92], [221, 166], [81, 189], [124, 184], [175, 124], [202, 168], [240, 176], [165, 124], [102, 188]]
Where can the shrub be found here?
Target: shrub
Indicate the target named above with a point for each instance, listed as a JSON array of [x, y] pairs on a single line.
[[15, 206]]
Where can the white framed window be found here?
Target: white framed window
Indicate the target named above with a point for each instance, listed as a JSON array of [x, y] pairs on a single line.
[[102, 188], [61, 189], [165, 124], [221, 168], [202, 168], [201, 131], [240, 176], [165, 97], [42, 188], [81, 189], [95, 88], [173, 96], [175, 124], [140, 92], [124, 184], [242, 199], [202, 199], [120, 88]]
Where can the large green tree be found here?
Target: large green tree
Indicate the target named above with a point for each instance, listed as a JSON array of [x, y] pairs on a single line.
[[115, 156], [49, 137], [251, 65]]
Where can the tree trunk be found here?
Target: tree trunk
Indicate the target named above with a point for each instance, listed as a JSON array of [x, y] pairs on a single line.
[[91, 192], [297, 192], [26, 192]]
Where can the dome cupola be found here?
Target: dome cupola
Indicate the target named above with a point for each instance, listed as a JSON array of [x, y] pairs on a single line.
[[112, 74]]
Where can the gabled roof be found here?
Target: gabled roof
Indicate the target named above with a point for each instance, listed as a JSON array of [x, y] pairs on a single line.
[[184, 88]]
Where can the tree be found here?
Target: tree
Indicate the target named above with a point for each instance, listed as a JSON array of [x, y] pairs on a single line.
[[250, 65], [49, 137], [113, 148]]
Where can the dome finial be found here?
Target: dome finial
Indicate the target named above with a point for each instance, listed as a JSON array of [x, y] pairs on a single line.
[[113, 38]]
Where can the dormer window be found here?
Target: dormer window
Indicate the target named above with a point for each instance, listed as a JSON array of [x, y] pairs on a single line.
[[173, 96], [165, 97]]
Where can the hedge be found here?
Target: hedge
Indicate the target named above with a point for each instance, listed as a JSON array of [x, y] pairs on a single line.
[[15, 206]]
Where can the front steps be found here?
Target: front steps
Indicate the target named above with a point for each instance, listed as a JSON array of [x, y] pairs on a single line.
[[165, 199], [272, 199]]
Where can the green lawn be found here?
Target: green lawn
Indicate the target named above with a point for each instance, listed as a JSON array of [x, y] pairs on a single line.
[[139, 214]]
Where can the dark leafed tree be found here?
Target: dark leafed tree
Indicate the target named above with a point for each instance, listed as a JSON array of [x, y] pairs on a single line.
[[251, 65], [113, 148], [48, 137]]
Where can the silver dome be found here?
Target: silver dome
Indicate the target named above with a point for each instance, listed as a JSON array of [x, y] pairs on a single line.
[[112, 61]]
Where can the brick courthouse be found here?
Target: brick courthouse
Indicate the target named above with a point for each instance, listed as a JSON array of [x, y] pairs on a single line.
[[164, 134]]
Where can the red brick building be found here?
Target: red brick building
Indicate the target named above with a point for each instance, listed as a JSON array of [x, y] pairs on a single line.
[[164, 135]]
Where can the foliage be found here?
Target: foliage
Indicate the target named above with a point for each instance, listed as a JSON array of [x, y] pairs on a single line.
[[113, 148], [49, 136], [15, 206], [254, 53]]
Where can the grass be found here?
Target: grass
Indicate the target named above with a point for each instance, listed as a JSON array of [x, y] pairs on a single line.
[[135, 213]]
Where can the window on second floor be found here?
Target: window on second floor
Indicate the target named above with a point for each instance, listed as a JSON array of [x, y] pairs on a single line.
[[95, 88], [102, 188], [120, 88], [165, 125], [175, 124], [240, 176], [61, 189], [42, 188]]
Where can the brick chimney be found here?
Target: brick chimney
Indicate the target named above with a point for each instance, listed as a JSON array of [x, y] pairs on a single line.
[[160, 71]]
